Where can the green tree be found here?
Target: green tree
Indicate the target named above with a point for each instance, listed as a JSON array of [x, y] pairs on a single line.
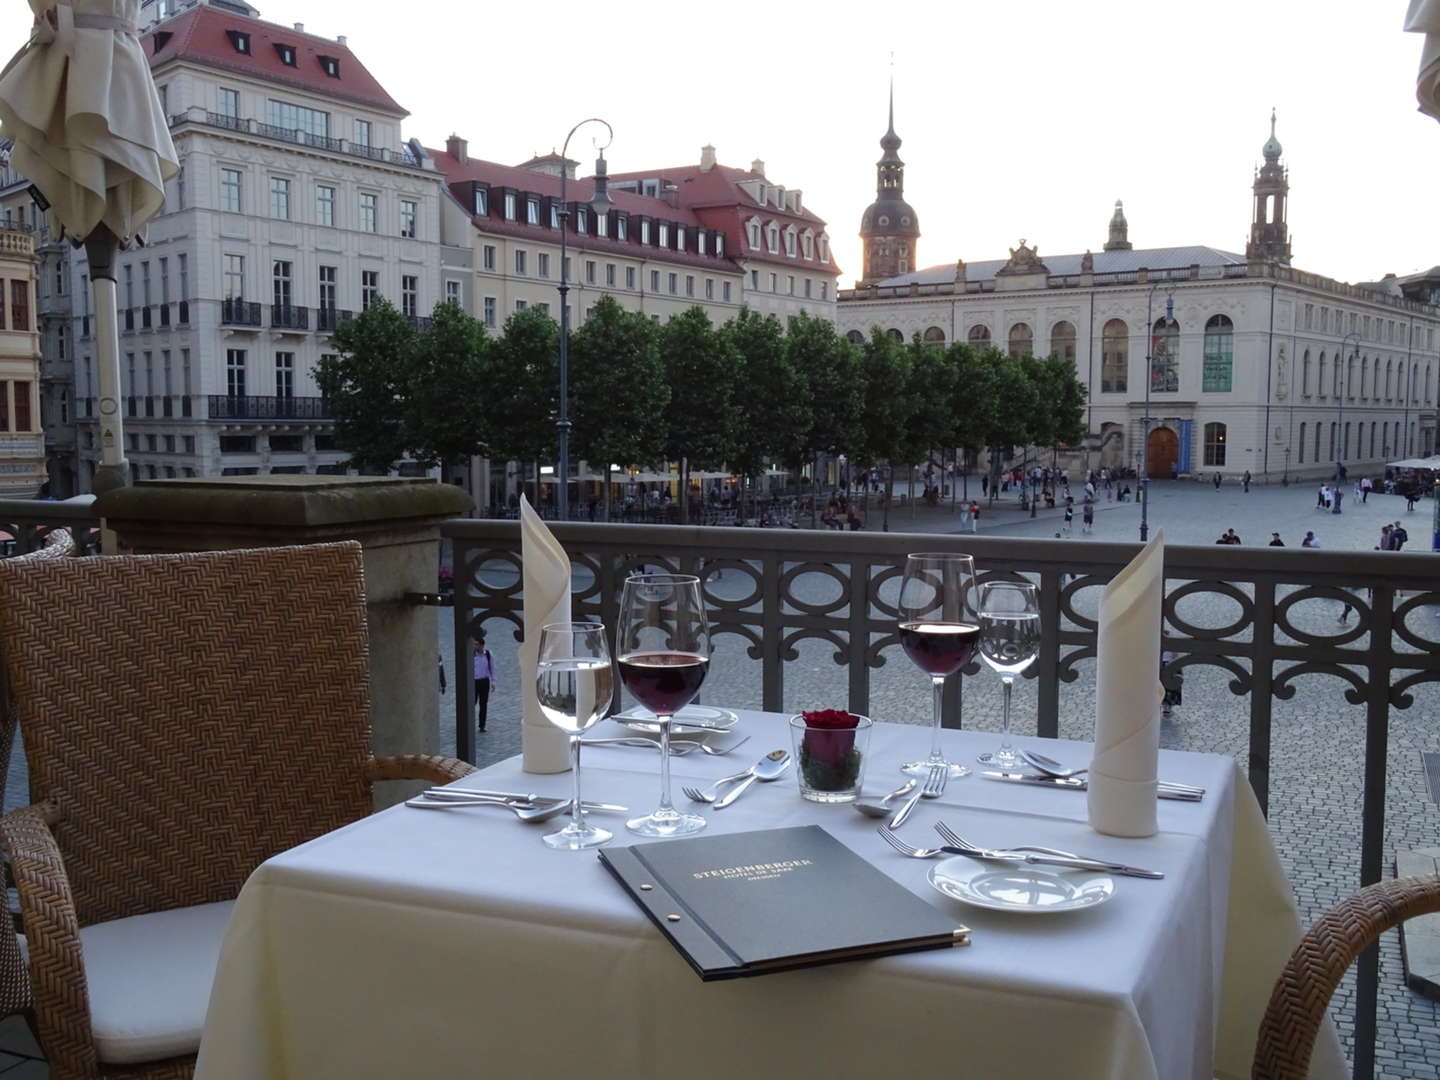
[[700, 368], [618, 395], [1060, 401], [444, 409], [522, 391], [771, 395], [830, 366], [886, 401], [367, 383], [930, 401], [1013, 404]]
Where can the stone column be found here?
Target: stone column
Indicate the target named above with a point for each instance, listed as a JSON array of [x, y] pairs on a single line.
[[397, 522]]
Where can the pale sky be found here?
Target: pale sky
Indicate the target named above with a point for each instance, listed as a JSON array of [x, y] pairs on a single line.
[[1020, 118]]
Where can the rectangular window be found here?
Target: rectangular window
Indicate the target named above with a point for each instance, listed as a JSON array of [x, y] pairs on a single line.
[[482, 201], [542, 264], [235, 372], [490, 312], [774, 282], [229, 103], [554, 214], [610, 274], [622, 227], [488, 257], [281, 291], [520, 305], [719, 245], [19, 304], [680, 238], [328, 275], [452, 292], [362, 133], [654, 280], [755, 280], [590, 271], [602, 224], [824, 290], [369, 288], [664, 234], [369, 211], [407, 218], [282, 114], [324, 205], [409, 295], [689, 284], [709, 288], [184, 264], [674, 283], [234, 277], [630, 277], [700, 238], [544, 309], [285, 374], [790, 284], [725, 292], [532, 210], [645, 231], [520, 261], [22, 407], [144, 283], [230, 190], [581, 224], [165, 282], [509, 206], [808, 286], [280, 198]]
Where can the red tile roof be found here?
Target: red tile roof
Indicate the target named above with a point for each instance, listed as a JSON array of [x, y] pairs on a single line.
[[198, 35], [459, 175]]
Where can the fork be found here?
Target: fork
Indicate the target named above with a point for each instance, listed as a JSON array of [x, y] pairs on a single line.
[[933, 788], [1045, 856], [986, 855], [710, 794]]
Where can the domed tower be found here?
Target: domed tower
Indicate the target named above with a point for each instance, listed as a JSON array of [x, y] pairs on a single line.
[[889, 228], [1119, 230], [1269, 235]]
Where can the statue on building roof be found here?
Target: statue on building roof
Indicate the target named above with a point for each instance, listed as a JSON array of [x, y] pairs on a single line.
[[1023, 260], [1087, 262]]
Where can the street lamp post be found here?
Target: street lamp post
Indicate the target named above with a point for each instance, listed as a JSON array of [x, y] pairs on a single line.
[[1144, 482], [600, 200], [1340, 447]]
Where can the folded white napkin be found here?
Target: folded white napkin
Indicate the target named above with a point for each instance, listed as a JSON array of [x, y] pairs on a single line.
[[1127, 697], [1424, 18], [546, 749]]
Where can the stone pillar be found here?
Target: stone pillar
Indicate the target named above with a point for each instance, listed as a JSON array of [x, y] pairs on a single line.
[[395, 519]]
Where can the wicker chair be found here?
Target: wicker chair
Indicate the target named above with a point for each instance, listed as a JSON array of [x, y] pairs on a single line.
[[188, 717], [1303, 992]]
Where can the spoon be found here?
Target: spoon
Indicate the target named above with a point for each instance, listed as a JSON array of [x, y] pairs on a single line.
[[1050, 767], [771, 767], [882, 808]]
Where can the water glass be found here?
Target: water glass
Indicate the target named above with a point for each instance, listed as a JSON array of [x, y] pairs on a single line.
[[576, 683]]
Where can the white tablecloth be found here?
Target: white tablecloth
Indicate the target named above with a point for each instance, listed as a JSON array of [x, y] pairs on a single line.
[[446, 943]]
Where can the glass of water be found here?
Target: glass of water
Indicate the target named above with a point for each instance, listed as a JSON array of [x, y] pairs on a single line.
[[1009, 643], [576, 682]]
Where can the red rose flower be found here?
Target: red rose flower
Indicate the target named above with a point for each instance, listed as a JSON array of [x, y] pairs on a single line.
[[829, 735]]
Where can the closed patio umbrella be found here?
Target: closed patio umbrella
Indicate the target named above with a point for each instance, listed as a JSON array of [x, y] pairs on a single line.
[[80, 104], [1424, 18]]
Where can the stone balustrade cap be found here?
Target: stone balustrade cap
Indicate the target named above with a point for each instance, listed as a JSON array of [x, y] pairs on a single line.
[[286, 500]]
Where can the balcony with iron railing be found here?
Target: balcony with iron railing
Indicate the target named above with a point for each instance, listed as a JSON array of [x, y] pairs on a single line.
[[240, 313], [328, 318], [289, 317], [250, 407], [294, 136]]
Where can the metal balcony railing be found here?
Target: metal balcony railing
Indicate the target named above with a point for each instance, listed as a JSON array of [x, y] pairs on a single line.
[[328, 318], [289, 317], [239, 313], [236, 407], [1270, 644], [296, 136], [28, 520]]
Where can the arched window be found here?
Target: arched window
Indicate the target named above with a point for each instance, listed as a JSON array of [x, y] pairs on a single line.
[[1302, 443], [896, 334], [1165, 356], [1372, 438], [1115, 357], [1388, 374], [1412, 384], [1305, 376], [1214, 444], [979, 335], [1332, 441], [1320, 381], [1429, 393], [1062, 340], [1350, 378], [934, 336], [1345, 443], [1317, 440], [1219, 360], [855, 336], [1022, 340], [1364, 375]]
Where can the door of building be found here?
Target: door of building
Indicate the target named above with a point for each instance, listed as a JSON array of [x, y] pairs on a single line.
[[1162, 453]]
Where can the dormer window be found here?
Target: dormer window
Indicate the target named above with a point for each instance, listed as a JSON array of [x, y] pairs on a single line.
[[700, 244], [752, 230], [719, 245], [580, 223], [645, 231], [240, 39], [331, 66], [764, 194], [790, 242], [824, 249], [161, 37], [807, 244], [287, 54], [602, 224], [482, 201], [679, 237], [780, 197], [622, 227], [772, 238], [554, 214], [532, 209], [509, 206], [664, 234]]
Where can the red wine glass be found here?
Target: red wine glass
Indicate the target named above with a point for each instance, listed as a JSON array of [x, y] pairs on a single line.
[[939, 631], [664, 652]]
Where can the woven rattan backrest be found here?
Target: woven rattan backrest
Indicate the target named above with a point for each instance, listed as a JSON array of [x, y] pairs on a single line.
[[191, 714]]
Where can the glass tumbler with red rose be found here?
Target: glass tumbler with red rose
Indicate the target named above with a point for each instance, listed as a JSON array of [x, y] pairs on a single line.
[[831, 746]]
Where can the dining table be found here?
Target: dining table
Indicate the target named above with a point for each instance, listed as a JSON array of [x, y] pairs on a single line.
[[452, 942]]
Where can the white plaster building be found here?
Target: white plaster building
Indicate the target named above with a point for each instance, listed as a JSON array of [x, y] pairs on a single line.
[[1263, 368]]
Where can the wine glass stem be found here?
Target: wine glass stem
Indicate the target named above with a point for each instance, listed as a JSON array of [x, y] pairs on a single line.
[[663, 722], [577, 809], [939, 686], [1007, 683]]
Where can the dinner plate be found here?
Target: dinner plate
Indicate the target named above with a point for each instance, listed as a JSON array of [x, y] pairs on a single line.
[[1029, 890], [706, 716]]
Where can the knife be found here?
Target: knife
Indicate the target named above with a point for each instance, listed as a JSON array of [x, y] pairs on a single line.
[[1076, 862], [1074, 783], [469, 794]]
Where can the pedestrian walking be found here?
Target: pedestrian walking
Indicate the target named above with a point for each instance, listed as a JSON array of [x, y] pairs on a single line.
[[985, 485], [1275, 540], [1087, 515], [1245, 482], [483, 670], [1069, 517], [1322, 498], [1385, 541], [1336, 497], [1309, 541], [1398, 536], [1365, 486], [1217, 481], [974, 515]]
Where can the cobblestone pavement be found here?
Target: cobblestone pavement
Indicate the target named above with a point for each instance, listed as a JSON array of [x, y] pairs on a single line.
[[1318, 737]]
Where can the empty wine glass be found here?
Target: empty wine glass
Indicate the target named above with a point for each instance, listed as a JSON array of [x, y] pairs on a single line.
[[576, 682], [664, 652], [1009, 643], [938, 631]]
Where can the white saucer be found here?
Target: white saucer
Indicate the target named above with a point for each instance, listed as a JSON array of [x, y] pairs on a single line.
[[1029, 890], [704, 716]]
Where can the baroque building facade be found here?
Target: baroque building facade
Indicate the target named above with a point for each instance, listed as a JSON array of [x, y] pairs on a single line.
[[1259, 368]]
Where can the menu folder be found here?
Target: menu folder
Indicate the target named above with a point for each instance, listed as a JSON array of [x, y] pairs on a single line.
[[752, 903]]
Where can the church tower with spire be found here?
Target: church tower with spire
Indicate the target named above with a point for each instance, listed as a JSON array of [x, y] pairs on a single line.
[[1269, 235], [1119, 230], [889, 228]]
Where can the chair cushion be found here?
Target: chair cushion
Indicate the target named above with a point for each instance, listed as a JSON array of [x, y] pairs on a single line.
[[149, 978]]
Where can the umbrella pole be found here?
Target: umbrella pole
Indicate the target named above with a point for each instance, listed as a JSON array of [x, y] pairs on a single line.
[[100, 248]]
